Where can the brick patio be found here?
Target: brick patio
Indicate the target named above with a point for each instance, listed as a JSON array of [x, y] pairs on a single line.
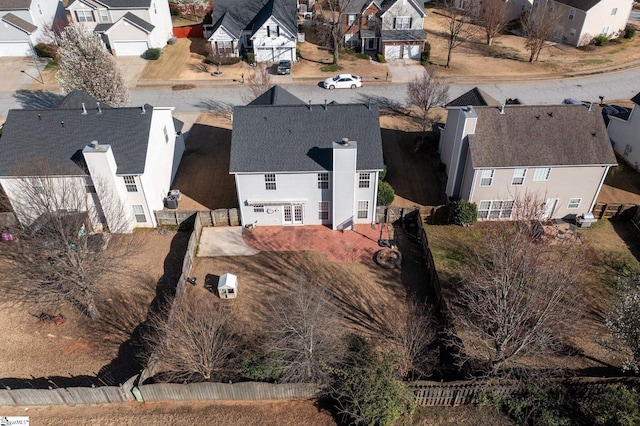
[[357, 246]]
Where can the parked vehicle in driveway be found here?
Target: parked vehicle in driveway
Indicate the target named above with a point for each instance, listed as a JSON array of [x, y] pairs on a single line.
[[284, 67], [343, 81]]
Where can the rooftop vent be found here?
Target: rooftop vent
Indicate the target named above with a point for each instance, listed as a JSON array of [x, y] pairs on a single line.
[[99, 109], [345, 141], [84, 109], [95, 145], [502, 109], [143, 110]]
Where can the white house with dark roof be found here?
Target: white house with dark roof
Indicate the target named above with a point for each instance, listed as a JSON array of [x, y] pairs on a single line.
[[305, 164], [268, 28], [23, 23], [127, 27], [624, 131], [494, 155], [127, 156]]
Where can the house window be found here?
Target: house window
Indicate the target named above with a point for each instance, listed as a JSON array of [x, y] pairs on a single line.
[[104, 16], [130, 183], [138, 212], [38, 186], [363, 209], [572, 14], [323, 180], [371, 21], [541, 174], [574, 203], [40, 9], [614, 11], [85, 16], [364, 180], [270, 181], [258, 209], [224, 48], [605, 31], [402, 23], [351, 19], [518, 176], [154, 9], [166, 134], [572, 32], [487, 177], [495, 209], [323, 210], [461, 4]]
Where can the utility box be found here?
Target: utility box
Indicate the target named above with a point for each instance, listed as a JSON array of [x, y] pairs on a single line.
[[585, 220], [228, 286]]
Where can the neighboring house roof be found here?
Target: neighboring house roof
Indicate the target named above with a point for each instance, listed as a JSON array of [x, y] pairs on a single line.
[[298, 138], [580, 4], [636, 99], [120, 4], [238, 15], [536, 136], [276, 96], [353, 7], [41, 134], [386, 5], [136, 21], [403, 35], [14, 4], [19, 23], [76, 98], [100, 28], [474, 97]]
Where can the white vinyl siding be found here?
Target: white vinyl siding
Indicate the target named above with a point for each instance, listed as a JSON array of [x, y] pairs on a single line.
[[574, 203], [541, 174], [486, 178], [518, 176], [495, 209]]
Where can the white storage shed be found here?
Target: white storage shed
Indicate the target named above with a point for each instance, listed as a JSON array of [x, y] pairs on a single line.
[[228, 286]]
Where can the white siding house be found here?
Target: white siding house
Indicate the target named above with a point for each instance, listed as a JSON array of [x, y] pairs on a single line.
[[127, 156], [291, 168], [495, 155], [624, 131], [23, 22], [127, 28], [402, 29], [267, 28]]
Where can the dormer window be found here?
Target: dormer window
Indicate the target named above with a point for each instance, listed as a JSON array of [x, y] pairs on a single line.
[[104, 15], [85, 16]]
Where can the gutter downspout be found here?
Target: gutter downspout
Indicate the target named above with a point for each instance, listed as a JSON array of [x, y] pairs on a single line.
[[595, 197]]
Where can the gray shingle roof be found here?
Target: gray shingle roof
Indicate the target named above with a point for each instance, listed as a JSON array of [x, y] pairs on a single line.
[[636, 99], [536, 136], [276, 96], [474, 97], [100, 28], [29, 134], [403, 35], [580, 4], [351, 7], [20, 23], [250, 14], [14, 4], [76, 98], [122, 4], [139, 22], [298, 137]]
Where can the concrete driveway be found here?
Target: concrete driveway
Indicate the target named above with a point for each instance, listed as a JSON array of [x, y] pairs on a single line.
[[404, 70], [131, 67], [21, 73], [223, 241]]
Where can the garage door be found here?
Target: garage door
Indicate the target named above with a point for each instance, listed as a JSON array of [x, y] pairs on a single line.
[[392, 52], [129, 48], [264, 55], [15, 48], [412, 51], [284, 54]]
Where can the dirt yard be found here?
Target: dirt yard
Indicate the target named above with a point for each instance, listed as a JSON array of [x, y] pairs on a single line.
[[35, 352]]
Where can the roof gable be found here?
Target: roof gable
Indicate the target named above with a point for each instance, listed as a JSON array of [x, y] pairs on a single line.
[[277, 96], [537, 136], [134, 20], [389, 5], [474, 97], [249, 15]]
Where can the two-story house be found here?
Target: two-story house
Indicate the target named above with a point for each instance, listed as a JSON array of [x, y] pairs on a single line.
[[496, 155], [394, 28], [127, 27], [624, 131], [582, 20], [305, 164], [23, 23], [267, 28], [100, 156]]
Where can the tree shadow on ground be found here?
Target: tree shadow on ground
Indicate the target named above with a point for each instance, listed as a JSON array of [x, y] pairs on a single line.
[[38, 99], [629, 234]]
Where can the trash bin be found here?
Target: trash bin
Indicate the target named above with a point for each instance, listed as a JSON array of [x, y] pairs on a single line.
[[585, 220]]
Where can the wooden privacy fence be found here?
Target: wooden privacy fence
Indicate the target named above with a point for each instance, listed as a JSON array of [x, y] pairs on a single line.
[[218, 217], [244, 391], [194, 31], [614, 210], [65, 396], [636, 219], [433, 215]]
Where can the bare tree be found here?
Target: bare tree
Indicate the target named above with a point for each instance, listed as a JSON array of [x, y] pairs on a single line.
[[331, 24], [305, 332], [516, 296], [493, 18], [459, 24], [56, 257], [193, 343], [529, 205], [425, 92], [539, 25], [623, 319], [409, 332], [258, 82], [85, 65]]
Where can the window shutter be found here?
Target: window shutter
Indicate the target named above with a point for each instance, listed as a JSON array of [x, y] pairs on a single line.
[[278, 30], [395, 23], [268, 31], [410, 21]]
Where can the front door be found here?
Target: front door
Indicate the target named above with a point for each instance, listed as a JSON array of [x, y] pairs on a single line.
[[550, 207], [292, 215]]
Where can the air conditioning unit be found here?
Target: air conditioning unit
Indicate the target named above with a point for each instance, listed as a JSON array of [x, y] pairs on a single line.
[[175, 193], [171, 202]]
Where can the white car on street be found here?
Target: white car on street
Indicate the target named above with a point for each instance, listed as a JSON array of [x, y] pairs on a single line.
[[343, 81]]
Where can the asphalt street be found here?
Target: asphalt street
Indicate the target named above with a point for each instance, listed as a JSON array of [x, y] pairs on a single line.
[[616, 85]]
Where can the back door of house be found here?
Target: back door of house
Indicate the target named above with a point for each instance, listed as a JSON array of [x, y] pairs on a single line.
[[292, 214]]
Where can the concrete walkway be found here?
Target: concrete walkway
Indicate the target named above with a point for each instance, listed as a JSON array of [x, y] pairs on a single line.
[[223, 241]]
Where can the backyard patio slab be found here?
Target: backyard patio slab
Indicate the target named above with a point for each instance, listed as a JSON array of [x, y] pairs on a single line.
[[223, 241]]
